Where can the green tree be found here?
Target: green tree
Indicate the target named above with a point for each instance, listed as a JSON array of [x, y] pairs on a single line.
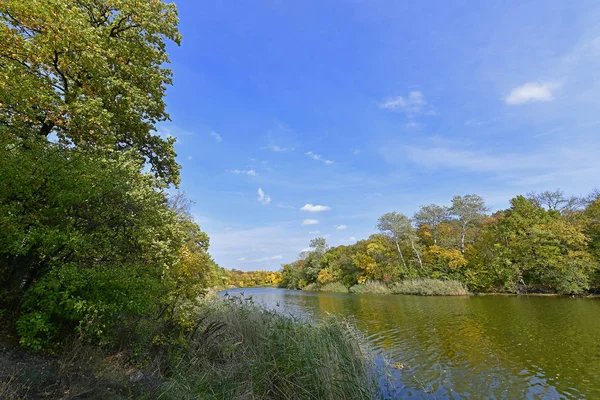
[[89, 71]]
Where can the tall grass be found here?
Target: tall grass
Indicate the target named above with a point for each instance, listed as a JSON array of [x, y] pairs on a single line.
[[371, 287], [242, 351], [429, 287], [336, 287]]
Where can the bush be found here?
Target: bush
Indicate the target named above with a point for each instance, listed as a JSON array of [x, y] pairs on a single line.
[[429, 287], [241, 351], [370, 287]]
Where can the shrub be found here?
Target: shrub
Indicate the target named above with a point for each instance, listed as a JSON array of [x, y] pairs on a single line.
[[429, 287]]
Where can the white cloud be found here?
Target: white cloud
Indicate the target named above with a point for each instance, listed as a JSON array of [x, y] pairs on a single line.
[[315, 208], [531, 92], [412, 104], [351, 239], [313, 155], [328, 162], [217, 137], [341, 227], [250, 172], [189, 157], [314, 232], [242, 259], [262, 197], [310, 222]]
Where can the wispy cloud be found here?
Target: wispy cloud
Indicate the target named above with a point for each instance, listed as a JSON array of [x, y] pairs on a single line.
[[216, 136], [414, 103], [314, 208], [318, 157], [277, 149], [310, 222], [314, 232], [531, 92], [262, 197], [341, 227], [250, 172], [313, 155], [351, 239], [263, 259]]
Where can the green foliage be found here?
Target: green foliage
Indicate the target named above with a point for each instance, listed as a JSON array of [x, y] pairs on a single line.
[[91, 72], [88, 242]]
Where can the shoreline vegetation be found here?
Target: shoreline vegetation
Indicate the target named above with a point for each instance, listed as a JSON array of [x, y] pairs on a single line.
[[543, 243], [237, 350]]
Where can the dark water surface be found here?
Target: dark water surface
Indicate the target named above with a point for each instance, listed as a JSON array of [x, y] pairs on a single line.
[[504, 347]]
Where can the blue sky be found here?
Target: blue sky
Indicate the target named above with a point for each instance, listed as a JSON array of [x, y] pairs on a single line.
[[368, 106]]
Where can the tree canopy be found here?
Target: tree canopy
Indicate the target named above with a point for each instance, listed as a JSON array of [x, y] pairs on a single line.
[[90, 72]]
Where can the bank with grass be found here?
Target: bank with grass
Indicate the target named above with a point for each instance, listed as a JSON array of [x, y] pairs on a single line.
[[235, 350], [421, 286]]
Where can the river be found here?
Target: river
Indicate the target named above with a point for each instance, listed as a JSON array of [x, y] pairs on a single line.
[[494, 346]]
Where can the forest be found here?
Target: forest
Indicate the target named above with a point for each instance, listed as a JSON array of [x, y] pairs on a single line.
[[545, 242]]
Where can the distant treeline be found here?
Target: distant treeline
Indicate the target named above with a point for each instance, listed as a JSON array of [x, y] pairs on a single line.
[[241, 279], [545, 242]]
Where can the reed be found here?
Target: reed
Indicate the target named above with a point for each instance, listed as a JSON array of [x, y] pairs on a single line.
[[243, 351], [430, 287]]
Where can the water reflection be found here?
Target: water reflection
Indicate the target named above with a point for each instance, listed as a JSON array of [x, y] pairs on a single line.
[[502, 347]]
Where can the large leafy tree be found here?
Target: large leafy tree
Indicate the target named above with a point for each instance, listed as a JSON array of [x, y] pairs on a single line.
[[91, 72]]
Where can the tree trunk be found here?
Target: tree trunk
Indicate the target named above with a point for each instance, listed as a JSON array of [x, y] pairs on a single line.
[[416, 253], [400, 252], [462, 239]]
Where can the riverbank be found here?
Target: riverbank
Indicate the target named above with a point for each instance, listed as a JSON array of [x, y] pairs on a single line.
[[430, 287], [422, 287], [235, 350]]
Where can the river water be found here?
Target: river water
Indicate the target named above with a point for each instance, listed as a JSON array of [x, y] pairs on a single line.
[[503, 347]]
